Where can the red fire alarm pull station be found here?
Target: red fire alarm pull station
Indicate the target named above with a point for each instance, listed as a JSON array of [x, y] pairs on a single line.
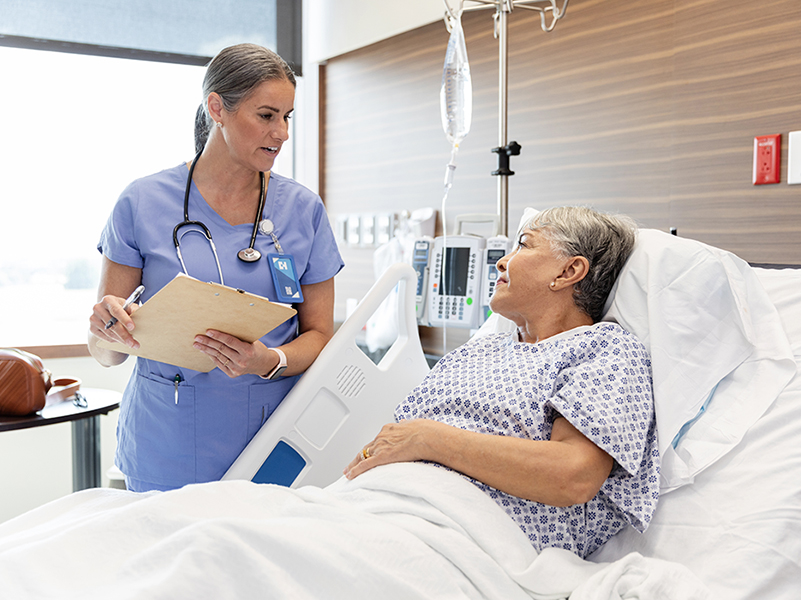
[[767, 158]]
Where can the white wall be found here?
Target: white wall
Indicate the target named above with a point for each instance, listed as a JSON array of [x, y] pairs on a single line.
[[334, 27]]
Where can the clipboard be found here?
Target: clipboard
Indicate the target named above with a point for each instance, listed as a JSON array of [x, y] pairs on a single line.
[[166, 325]]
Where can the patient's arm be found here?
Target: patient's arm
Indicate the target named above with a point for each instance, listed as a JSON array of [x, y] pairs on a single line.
[[569, 469]]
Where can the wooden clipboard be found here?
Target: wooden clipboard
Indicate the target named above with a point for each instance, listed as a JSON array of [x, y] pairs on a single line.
[[166, 325]]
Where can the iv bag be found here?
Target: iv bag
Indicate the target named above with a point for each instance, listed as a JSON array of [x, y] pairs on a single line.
[[456, 93]]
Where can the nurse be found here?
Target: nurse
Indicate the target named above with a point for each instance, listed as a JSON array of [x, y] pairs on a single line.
[[179, 426]]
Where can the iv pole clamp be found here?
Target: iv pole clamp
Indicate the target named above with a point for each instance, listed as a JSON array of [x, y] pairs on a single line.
[[504, 153]]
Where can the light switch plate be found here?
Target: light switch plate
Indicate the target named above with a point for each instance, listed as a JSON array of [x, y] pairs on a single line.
[[794, 157]]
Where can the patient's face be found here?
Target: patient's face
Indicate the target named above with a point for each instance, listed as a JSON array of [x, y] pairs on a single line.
[[522, 289]]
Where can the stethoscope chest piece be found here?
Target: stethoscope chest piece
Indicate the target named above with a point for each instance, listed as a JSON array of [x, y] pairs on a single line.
[[249, 255]]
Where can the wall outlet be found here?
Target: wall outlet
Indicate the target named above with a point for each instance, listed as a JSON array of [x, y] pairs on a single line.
[[794, 157], [767, 158]]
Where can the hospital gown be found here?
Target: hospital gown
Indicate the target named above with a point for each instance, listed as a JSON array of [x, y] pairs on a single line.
[[597, 377]]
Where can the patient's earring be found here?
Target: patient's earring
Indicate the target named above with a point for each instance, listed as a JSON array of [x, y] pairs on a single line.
[[553, 284], [219, 124]]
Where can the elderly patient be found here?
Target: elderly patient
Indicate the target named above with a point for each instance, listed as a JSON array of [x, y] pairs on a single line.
[[554, 421]]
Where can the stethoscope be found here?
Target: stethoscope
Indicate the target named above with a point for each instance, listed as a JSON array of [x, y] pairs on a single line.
[[249, 254]]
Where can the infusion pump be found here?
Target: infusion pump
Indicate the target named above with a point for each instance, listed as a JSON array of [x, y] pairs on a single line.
[[456, 278]]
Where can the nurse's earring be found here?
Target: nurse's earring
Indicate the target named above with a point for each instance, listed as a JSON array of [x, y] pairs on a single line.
[[553, 284], [219, 124]]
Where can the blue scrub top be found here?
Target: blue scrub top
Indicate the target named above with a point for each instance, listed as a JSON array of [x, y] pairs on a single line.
[[163, 444]]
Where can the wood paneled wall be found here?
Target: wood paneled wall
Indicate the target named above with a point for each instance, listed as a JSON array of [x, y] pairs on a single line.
[[647, 107]]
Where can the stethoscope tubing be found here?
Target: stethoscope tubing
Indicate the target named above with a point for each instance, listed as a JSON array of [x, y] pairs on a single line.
[[249, 254]]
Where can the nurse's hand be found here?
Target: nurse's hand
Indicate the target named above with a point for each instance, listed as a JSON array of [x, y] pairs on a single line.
[[102, 312], [235, 357]]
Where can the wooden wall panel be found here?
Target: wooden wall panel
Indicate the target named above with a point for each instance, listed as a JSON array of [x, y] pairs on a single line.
[[738, 75], [647, 107]]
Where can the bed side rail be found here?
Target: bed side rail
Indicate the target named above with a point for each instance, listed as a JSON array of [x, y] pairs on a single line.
[[342, 400]]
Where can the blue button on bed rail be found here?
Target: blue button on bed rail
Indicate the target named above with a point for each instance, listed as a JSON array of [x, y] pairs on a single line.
[[282, 466]]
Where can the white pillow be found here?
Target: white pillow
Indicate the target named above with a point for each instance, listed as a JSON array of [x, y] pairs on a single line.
[[719, 354]]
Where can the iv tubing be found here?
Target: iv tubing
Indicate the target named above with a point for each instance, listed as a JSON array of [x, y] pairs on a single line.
[[449, 169]]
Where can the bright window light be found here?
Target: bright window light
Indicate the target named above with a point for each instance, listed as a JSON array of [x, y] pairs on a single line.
[[76, 130]]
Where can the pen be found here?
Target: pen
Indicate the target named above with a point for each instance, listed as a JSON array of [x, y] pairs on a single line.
[[131, 299]]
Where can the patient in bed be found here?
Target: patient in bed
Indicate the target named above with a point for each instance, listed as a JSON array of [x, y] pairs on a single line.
[[555, 420]]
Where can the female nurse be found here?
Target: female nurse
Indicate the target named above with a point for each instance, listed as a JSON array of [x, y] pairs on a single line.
[[178, 426]]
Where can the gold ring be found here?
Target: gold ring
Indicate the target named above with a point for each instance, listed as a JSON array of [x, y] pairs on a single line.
[[226, 362], [365, 453]]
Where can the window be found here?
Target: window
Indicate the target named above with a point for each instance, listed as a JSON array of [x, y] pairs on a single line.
[[77, 130]]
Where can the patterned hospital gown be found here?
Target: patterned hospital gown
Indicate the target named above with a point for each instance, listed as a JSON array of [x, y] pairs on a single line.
[[599, 378]]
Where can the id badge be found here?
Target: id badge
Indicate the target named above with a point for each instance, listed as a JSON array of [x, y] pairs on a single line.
[[285, 279]]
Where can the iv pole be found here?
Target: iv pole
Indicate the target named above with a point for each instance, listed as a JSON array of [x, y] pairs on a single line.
[[505, 149]]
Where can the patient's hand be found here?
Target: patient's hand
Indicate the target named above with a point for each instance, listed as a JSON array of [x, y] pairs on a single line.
[[396, 442]]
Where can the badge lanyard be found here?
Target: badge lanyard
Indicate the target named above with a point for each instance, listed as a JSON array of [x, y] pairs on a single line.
[[282, 268]]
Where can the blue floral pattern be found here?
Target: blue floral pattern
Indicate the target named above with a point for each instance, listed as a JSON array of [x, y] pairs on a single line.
[[598, 378]]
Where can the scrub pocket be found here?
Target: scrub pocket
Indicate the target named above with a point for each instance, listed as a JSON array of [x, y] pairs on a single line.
[[156, 435], [263, 399]]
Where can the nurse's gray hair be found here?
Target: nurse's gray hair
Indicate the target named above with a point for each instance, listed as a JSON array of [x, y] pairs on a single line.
[[233, 74], [605, 240]]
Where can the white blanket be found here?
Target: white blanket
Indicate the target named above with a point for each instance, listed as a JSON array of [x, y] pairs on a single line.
[[401, 531]]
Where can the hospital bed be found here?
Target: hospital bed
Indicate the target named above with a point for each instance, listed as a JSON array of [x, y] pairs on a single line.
[[725, 341]]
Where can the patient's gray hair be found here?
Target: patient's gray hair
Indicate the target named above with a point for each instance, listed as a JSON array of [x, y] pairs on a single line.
[[233, 74], [605, 240]]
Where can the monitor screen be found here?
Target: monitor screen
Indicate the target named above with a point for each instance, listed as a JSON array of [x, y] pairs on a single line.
[[453, 278], [494, 255]]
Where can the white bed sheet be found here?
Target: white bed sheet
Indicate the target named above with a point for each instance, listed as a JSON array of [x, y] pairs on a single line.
[[401, 531], [738, 526]]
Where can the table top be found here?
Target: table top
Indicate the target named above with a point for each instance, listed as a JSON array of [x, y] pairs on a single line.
[[99, 402]]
